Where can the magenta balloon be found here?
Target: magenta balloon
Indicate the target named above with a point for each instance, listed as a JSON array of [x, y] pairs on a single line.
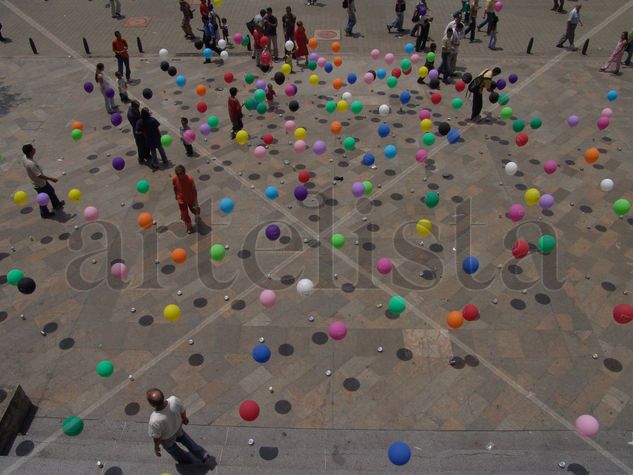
[[587, 425], [384, 265], [319, 147], [119, 270], [189, 136], [337, 330], [516, 212], [550, 166], [424, 114], [546, 201], [289, 90], [267, 298], [421, 155], [358, 189], [603, 122]]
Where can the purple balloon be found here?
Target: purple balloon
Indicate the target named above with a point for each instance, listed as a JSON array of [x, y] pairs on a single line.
[[42, 199], [513, 78], [89, 87], [433, 74], [313, 56], [573, 120], [546, 201], [358, 189], [116, 119], [501, 84], [109, 92], [273, 232], [205, 129], [516, 213], [261, 84], [118, 163], [319, 147], [301, 193]]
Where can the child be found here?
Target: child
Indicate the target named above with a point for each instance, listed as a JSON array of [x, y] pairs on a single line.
[[270, 95], [235, 112], [184, 125], [429, 64], [225, 31], [186, 196], [122, 87], [492, 43]]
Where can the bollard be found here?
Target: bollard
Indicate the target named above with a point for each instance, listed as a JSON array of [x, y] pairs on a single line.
[[585, 46], [86, 47], [139, 44], [530, 44], [32, 43]]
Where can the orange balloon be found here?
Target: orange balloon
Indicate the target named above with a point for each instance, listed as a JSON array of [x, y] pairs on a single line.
[[338, 61], [145, 220], [337, 84], [201, 89], [77, 125], [313, 43], [336, 46], [455, 319], [336, 127], [179, 255], [592, 155]]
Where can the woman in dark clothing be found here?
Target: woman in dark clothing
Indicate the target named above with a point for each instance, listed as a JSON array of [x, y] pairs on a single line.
[[149, 127]]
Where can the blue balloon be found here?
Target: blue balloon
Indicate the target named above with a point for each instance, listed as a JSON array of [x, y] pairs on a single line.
[[181, 80], [612, 95], [383, 130], [226, 205], [207, 53], [409, 48], [399, 453], [328, 67], [390, 151], [271, 193], [351, 78], [453, 136], [381, 73], [405, 97], [261, 353], [470, 265], [368, 159]]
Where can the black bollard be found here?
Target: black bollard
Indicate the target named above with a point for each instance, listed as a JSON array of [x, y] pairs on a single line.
[[585, 47], [86, 47], [139, 44], [530, 44], [32, 43]]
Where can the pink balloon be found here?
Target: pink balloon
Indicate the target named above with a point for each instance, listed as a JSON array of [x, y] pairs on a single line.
[[550, 166], [119, 270], [337, 330], [91, 213], [260, 151], [368, 78], [421, 155], [603, 122], [290, 126], [415, 58], [516, 212], [384, 265], [607, 112], [389, 57], [237, 38], [300, 146], [321, 61], [424, 114], [375, 53], [498, 6], [587, 426], [189, 136], [267, 298]]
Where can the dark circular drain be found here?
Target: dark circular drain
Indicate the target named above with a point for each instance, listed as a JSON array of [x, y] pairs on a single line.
[[283, 407], [286, 349], [404, 354], [351, 384], [146, 320], [66, 343], [238, 305], [132, 408], [196, 359], [319, 338]]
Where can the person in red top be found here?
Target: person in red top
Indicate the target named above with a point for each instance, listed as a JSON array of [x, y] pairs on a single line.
[[301, 40], [186, 196], [204, 11], [257, 46], [235, 112], [119, 46]]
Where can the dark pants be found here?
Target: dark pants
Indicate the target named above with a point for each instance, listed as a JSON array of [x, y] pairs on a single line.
[[423, 36], [569, 35], [186, 457], [121, 61], [629, 50], [188, 148], [558, 5], [237, 126], [471, 29], [478, 103], [289, 35], [445, 67], [142, 149], [50, 191], [487, 21]]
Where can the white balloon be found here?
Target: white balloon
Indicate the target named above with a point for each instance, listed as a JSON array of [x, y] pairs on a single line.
[[607, 184], [511, 168], [347, 96], [289, 45], [224, 54], [305, 287], [221, 44], [163, 53], [384, 110]]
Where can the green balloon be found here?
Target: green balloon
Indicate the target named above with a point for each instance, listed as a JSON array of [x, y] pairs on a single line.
[[142, 186], [217, 252], [213, 122], [76, 134], [262, 108], [338, 241], [259, 95], [249, 78], [621, 207], [369, 187], [405, 64], [430, 57], [105, 368], [431, 199], [392, 82], [536, 122], [250, 103], [312, 65], [14, 276], [349, 143], [246, 40], [546, 243], [357, 107], [503, 99], [457, 103], [166, 140], [506, 112], [518, 125], [330, 107], [72, 426], [397, 305], [428, 139]]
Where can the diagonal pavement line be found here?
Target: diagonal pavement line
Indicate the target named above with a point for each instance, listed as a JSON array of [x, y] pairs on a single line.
[[535, 75]]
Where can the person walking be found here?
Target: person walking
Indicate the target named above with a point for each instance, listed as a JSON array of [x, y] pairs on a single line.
[[40, 181], [101, 79], [472, 26], [165, 428], [447, 51], [119, 46], [270, 30], [629, 48], [616, 55], [558, 6], [115, 8], [492, 42], [204, 11], [209, 38], [458, 33], [488, 11], [351, 16], [401, 6], [476, 88], [186, 196], [572, 22], [301, 42], [258, 32], [133, 116], [288, 22], [150, 129], [187, 15], [235, 112]]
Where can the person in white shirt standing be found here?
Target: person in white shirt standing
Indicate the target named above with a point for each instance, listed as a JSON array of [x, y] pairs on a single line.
[[572, 23], [165, 427], [40, 181]]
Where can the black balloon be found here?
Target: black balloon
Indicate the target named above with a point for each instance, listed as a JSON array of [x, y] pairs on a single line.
[[26, 285], [164, 65], [147, 93], [198, 44], [467, 77], [494, 97], [493, 85], [434, 83], [280, 78], [293, 106], [172, 71], [444, 128]]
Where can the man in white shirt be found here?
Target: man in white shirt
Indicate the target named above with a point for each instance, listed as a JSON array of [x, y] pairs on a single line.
[[165, 427], [572, 23], [40, 181]]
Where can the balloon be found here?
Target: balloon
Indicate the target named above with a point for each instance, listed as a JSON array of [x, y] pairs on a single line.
[[603, 123], [237, 38], [399, 453], [426, 125], [289, 125], [265, 58], [109, 92], [375, 53], [453, 136], [384, 265], [368, 78], [250, 103], [179, 255], [314, 79], [587, 426], [546, 201], [330, 107], [337, 330], [166, 140], [428, 139], [73, 425], [352, 78], [513, 78], [336, 127], [349, 143], [369, 187], [389, 58], [520, 249], [337, 61], [358, 189], [336, 47], [470, 265], [612, 95], [536, 123], [621, 207], [457, 103], [312, 43], [506, 113], [301, 193], [118, 163], [319, 147], [305, 287], [241, 137], [606, 184], [261, 353], [546, 243], [383, 130], [532, 196], [74, 195], [607, 112], [205, 129], [300, 133], [415, 58], [249, 410], [455, 319], [164, 66], [222, 44], [260, 151], [14, 276], [341, 106], [431, 199], [217, 252], [521, 139], [267, 298], [550, 166], [470, 312], [249, 78], [182, 80], [421, 155], [145, 220], [226, 205], [91, 213], [119, 270], [498, 6], [286, 69], [405, 97], [518, 125], [397, 305], [592, 155], [516, 213], [246, 40], [142, 186], [261, 108], [147, 93], [433, 74], [424, 227], [88, 87], [293, 106], [338, 241], [105, 368], [368, 159], [436, 98], [273, 232], [430, 57], [384, 110], [623, 313], [511, 168], [228, 77], [390, 151], [42, 199], [26, 285], [573, 120], [163, 53], [77, 125], [171, 312], [213, 122], [503, 99], [76, 134], [116, 119], [423, 71], [328, 68], [271, 193], [172, 71]]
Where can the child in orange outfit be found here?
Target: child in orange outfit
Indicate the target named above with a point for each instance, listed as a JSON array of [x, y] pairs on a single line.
[[186, 196]]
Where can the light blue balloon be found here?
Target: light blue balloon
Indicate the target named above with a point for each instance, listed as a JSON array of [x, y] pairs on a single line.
[[409, 48], [612, 95], [181, 80], [207, 53], [271, 193], [226, 205], [381, 73], [390, 151]]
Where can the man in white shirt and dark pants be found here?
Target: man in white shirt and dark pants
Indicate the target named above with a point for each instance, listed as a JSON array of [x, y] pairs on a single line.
[[572, 23], [40, 181], [165, 427]]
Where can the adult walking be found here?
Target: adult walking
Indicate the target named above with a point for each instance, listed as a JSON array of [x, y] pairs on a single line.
[[115, 8], [472, 26], [133, 116], [40, 181], [288, 22], [558, 6], [101, 79], [165, 428], [187, 15], [616, 55], [149, 127], [351, 16], [270, 30], [570, 33], [119, 46], [447, 51], [401, 6], [422, 25], [629, 48], [488, 12], [235, 112], [477, 86]]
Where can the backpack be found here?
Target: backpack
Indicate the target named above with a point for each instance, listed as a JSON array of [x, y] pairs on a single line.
[[475, 84], [345, 3]]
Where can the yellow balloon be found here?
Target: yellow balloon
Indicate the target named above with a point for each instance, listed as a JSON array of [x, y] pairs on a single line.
[[217, 3], [74, 195], [300, 133], [241, 137], [286, 68], [532, 196], [423, 71], [20, 197], [424, 227], [341, 106], [426, 125], [171, 312], [314, 79]]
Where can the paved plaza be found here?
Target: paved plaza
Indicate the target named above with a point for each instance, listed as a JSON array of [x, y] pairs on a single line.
[[501, 394]]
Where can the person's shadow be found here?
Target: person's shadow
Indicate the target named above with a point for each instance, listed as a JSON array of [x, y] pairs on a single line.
[[62, 217], [197, 469], [6, 40]]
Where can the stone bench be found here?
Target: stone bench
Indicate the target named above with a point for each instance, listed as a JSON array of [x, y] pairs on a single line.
[[15, 407]]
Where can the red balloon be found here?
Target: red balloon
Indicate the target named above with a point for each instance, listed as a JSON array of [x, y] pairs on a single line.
[[436, 98], [520, 249], [407, 72], [249, 410], [228, 77], [264, 41], [304, 176], [202, 107], [521, 139], [460, 86], [265, 58], [395, 72], [470, 312], [268, 139], [623, 313]]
